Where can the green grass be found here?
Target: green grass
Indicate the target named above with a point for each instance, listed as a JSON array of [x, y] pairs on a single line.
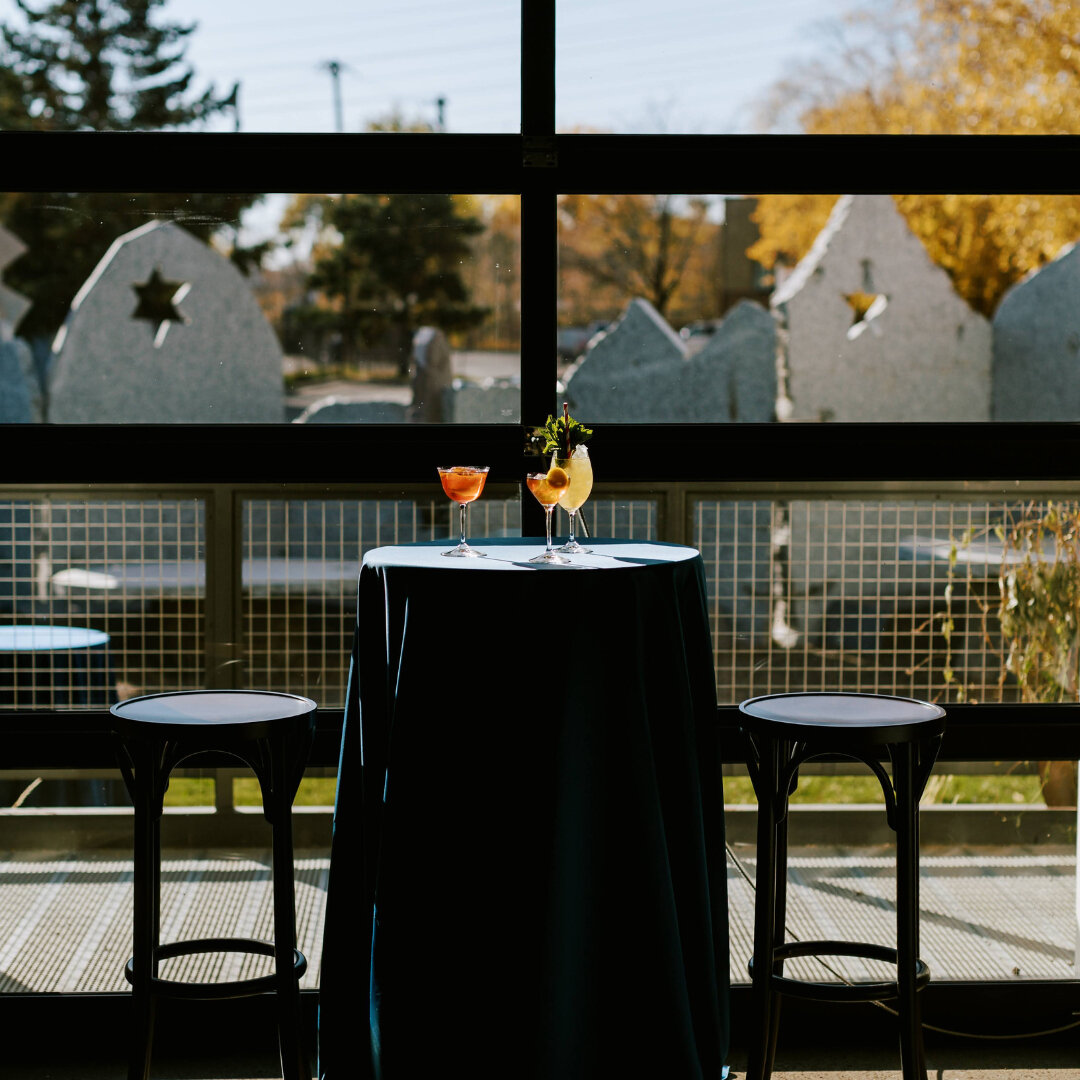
[[319, 791], [195, 791], [865, 789]]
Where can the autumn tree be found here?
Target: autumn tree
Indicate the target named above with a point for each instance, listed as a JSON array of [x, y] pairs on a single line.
[[385, 265], [493, 273], [618, 247], [945, 66]]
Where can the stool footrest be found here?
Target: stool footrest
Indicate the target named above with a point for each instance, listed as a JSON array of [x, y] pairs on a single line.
[[210, 991], [829, 991]]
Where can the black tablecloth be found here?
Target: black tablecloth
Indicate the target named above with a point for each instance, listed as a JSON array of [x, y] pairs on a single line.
[[528, 876]]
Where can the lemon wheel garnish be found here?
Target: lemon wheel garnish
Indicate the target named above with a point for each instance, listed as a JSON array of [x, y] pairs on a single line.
[[557, 478]]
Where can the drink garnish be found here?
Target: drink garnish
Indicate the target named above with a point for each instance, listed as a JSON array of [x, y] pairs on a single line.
[[561, 434], [557, 478]]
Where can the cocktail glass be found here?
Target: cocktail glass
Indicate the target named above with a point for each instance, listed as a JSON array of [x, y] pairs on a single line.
[[463, 484], [549, 488], [579, 468]]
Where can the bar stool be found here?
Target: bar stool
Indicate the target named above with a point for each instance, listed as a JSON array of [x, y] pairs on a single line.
[[783, 731], [271, 733]]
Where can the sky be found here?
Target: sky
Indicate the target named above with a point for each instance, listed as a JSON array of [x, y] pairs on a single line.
[[624, 66], [682, 66]]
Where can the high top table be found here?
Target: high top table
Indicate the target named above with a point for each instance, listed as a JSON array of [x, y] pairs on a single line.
[[528, 876]]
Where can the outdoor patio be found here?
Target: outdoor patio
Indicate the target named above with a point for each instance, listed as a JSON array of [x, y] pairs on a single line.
[[1002, 914]]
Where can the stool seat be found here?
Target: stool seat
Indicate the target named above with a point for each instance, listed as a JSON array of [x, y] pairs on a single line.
[[205, 715], [844, 718], [272, 733], [783, 731]]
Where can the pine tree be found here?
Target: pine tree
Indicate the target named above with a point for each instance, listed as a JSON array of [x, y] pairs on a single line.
[[100, 65], [96, 65], [394, 265]]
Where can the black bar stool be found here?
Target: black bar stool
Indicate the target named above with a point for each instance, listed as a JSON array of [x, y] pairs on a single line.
[[784, 730], [271, 733]]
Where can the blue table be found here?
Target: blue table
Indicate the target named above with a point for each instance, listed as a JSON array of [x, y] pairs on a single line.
[[57, 667], [528, 873]]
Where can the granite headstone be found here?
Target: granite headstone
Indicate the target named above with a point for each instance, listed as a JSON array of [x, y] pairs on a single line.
[[19, 394], [166, 330], [429, 373], [627, 370], [875, 330], [1037, 344], [733, 378], [338, 410]]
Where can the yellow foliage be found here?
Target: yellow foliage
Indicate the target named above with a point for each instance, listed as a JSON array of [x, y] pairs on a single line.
[[978, 67]]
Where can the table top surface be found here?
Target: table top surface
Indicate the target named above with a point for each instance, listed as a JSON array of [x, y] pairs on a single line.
[[49, 638], [213, 707], [504, 553]]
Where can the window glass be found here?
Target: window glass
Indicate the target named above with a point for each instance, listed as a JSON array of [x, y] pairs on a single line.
[[234, 308], [100, 600], [817, 66], [301, 561], [892, 308], [264, 65]]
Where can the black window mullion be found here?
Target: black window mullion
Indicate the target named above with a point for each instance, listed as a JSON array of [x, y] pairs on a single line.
[[539, 239], [537, 68]]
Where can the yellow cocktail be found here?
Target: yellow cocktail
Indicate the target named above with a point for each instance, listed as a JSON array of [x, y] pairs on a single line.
[[579, 468]]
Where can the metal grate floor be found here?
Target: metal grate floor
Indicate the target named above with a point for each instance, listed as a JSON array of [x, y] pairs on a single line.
[[65, 921], [993, 914], [988, 914]]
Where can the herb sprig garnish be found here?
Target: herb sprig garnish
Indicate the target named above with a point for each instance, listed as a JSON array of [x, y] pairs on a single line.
[[561, 434]]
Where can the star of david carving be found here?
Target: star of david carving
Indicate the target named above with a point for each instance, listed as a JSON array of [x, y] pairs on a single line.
[[865, 308], [158, 300]]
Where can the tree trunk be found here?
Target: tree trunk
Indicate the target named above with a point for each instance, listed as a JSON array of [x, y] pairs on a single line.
[[1058, 779]]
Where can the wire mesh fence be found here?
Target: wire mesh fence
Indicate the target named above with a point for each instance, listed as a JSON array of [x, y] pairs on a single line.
[[803, 594]]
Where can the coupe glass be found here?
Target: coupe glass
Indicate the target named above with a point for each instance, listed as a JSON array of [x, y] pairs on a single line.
[[549, 495], [579, 467], [463, 484]]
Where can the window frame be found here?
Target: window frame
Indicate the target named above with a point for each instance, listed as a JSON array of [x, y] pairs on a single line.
[[538, 164]]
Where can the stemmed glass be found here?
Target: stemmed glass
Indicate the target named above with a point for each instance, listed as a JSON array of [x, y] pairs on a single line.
[[549, 488], [463, 484], [579, 468]]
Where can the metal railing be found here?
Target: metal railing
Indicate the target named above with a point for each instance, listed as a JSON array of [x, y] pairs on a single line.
[[254, 587]]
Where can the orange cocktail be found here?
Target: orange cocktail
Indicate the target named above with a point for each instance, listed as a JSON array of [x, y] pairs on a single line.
[[548, 488], [463, 484]]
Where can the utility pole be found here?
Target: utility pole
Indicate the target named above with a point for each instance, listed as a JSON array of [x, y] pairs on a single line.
[[440, 106], [335, 67]]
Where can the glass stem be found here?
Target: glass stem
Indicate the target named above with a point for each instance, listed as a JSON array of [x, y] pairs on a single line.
[[464, 508], [570, 539], [547, 524]]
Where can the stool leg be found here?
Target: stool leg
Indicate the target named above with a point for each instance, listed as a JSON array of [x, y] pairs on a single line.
[[146, 915], [912, 1060], [761, 1040], [294, 1062], [779, 924]]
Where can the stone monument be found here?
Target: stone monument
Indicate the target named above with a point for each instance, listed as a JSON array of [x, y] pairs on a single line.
[[1037, 344], [166, 330], [733, 378], [429, 373], [20, 398], [626, 368], [341, 410], [875, 329]]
